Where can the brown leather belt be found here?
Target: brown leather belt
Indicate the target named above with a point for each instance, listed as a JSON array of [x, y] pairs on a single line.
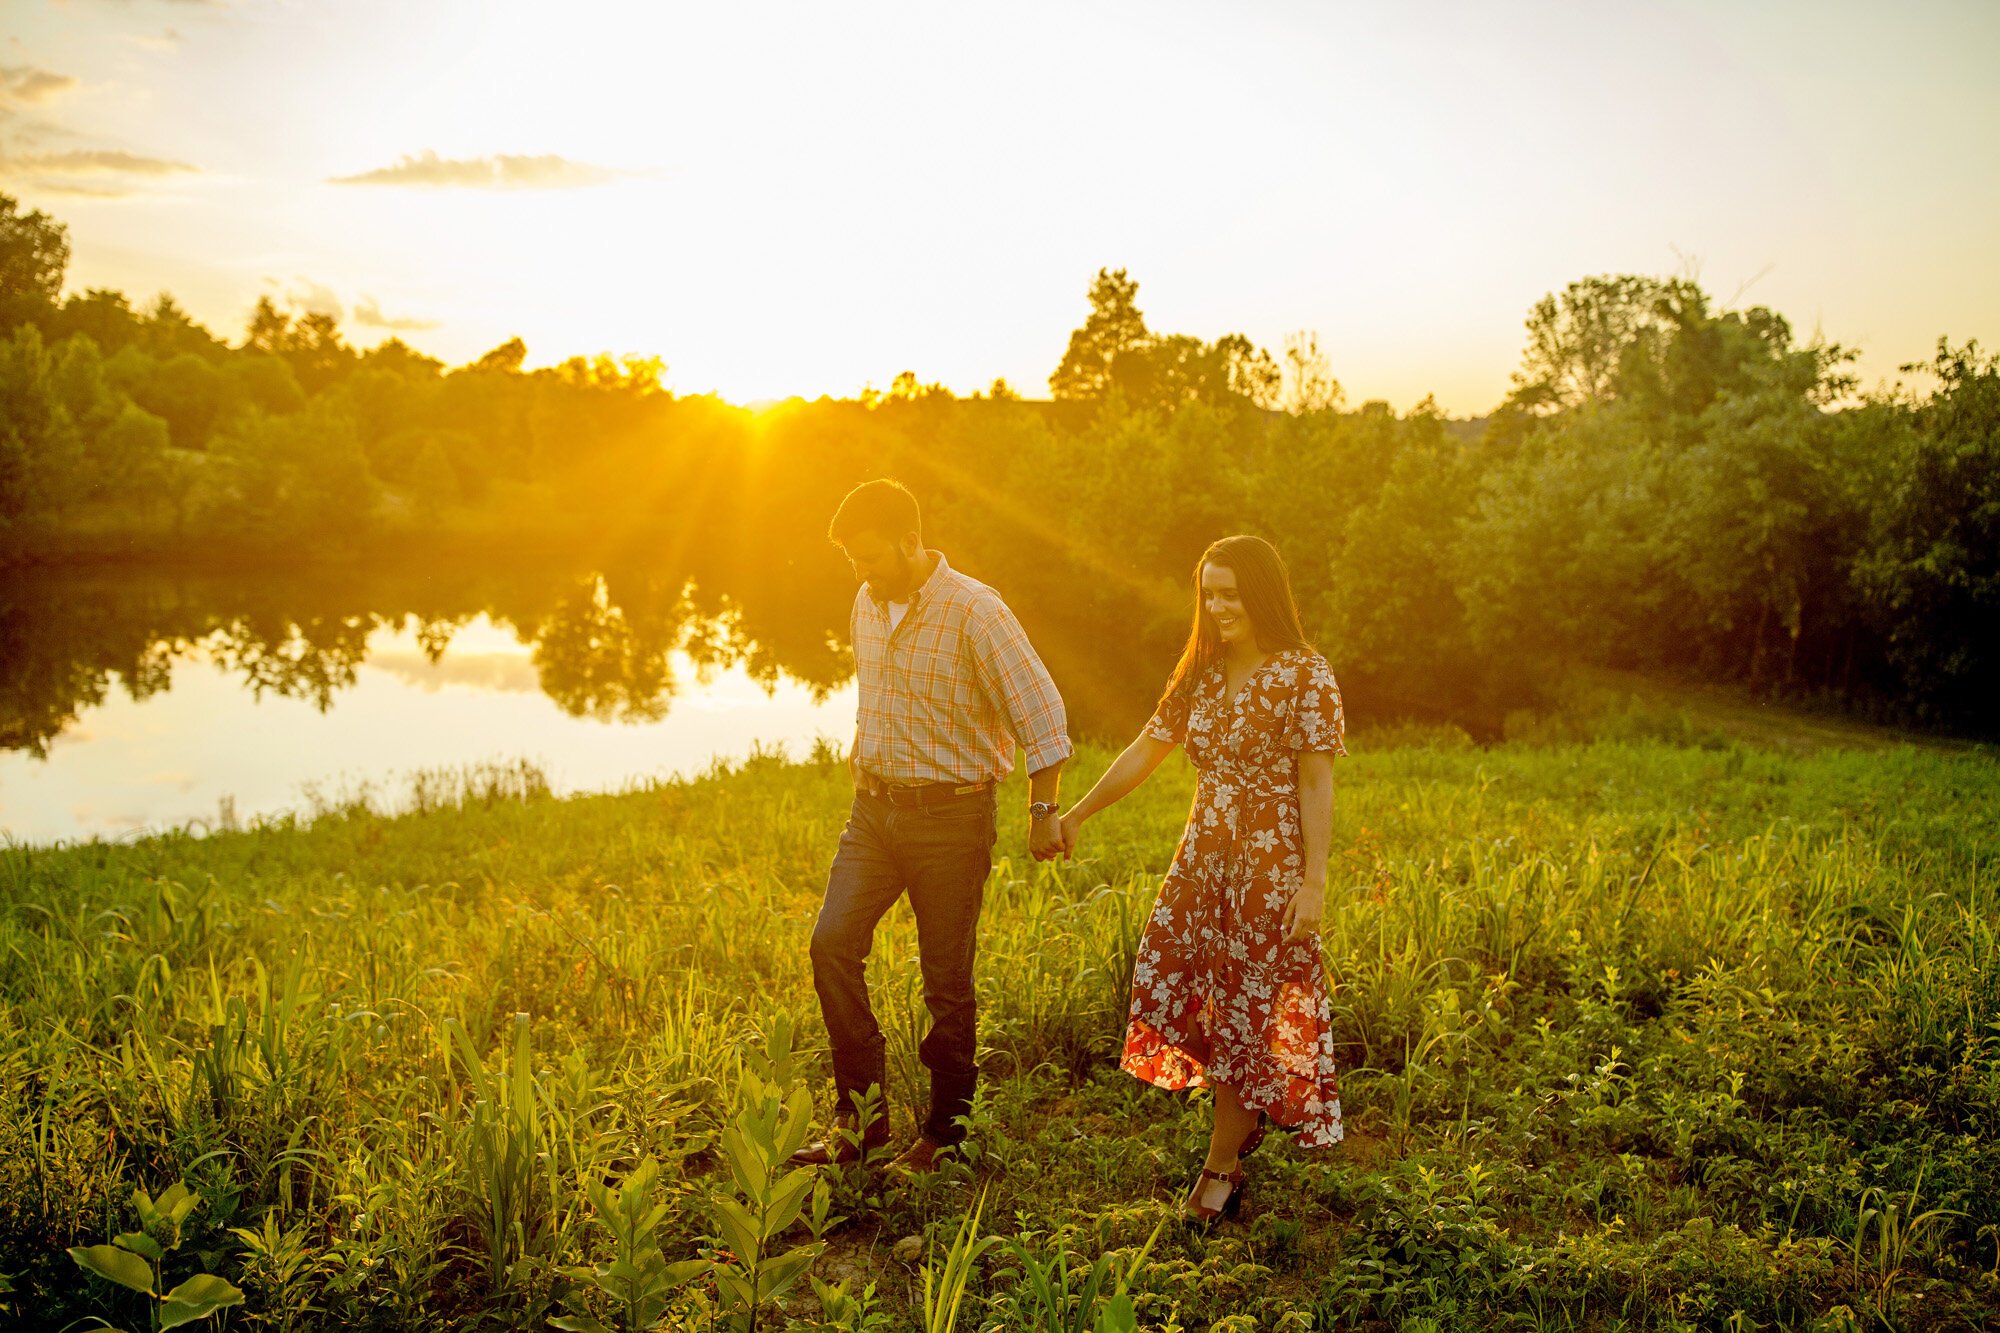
[[920, 793]]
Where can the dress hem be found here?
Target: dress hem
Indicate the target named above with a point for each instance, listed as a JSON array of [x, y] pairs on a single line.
[[1324, 1135]]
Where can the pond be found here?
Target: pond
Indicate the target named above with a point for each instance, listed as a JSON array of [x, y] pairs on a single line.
[[140, 701]]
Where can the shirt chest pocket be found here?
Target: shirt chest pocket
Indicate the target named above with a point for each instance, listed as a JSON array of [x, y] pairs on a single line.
[[935, 677]]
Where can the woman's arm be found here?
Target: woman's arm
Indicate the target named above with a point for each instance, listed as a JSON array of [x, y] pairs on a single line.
[[1302, 913], [1133, 766]]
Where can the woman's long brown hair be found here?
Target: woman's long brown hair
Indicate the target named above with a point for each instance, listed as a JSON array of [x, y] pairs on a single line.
[[1266, 590]]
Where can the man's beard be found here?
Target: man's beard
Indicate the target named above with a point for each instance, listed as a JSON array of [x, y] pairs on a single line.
[[906, 582]]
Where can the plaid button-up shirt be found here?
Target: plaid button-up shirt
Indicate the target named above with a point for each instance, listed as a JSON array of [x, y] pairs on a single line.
[[948, 692]]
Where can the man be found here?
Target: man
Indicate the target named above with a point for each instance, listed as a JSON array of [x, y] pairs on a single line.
[[949, 684]]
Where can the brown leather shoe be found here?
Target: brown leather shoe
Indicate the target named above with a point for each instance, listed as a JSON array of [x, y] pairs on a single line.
[[919, 1159], [840, 1148]]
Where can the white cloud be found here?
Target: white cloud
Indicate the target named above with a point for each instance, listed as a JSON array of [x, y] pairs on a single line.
[[24, 85], [90, 173], [503, 171], [95, 162]]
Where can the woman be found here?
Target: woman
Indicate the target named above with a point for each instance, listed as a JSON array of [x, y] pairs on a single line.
[[1229, 989]]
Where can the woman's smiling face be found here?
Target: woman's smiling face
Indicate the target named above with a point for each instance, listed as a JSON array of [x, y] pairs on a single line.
[[1224, 604]]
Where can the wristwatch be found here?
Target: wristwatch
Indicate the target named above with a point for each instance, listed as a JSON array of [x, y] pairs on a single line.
[[1040, 810]]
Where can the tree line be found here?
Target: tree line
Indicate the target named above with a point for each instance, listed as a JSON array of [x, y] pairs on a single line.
[[1668, 487]]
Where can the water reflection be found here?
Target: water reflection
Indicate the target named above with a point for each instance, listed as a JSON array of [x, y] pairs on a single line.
[[603, 641], [210, 682]]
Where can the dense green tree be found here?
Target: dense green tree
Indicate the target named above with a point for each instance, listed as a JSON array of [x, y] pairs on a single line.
[[185, 391], [103, 316], [265, 382], [1114, 352], [1932, 568], [1114, 327], [399, 358], [169, 331], [34, 254], [40, 446], [1579, 342], [1388, 595], [506, 359], [269, 330], [433, 480]]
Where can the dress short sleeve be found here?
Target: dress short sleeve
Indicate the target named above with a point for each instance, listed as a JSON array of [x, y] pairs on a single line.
[[1317, 720], [1170, 719]]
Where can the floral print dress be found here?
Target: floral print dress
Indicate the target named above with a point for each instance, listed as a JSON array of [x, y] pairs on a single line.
[[1218, 996]]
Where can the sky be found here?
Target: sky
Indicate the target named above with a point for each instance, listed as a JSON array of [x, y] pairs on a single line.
[[783, 199]]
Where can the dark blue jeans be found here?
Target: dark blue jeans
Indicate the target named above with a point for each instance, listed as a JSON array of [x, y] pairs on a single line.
[[940, 855]]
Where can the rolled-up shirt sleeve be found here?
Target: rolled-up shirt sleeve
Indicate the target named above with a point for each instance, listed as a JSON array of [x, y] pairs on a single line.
[[1014, 678]]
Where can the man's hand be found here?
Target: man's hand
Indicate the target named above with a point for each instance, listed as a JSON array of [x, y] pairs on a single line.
[[1045, 838], [1302, 913]]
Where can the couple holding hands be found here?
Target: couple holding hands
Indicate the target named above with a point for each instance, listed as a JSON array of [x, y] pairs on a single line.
[[1228, 988]]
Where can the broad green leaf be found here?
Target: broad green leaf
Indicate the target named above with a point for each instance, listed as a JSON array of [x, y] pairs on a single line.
[[782, 1271], [632, 1194], [797, 1124], [140, 1243], [121, 1266], [578, 1323], [749, 1164], [738, 1289], [687, 1270], [739, 1233], [787, 1201], [197, 1298]]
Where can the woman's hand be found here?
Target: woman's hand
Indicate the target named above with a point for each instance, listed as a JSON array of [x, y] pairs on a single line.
[[1302, 913], [1072, 829]]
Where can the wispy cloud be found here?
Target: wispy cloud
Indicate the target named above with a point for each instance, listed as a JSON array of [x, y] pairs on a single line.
[[24, 85], [92, 173], [368, 314], [503, 171], [96, 161]]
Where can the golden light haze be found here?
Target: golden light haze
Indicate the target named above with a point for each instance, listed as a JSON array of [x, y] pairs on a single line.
[[783, 199]]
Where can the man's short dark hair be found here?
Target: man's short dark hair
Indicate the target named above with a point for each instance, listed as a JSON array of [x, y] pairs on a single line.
[[883, 507]]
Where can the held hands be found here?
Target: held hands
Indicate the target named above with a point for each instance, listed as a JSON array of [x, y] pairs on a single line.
[[1053, 838], [1072, 832], [1045, 838]]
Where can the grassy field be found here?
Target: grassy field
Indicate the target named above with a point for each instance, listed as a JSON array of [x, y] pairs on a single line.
[[1634, 1034]]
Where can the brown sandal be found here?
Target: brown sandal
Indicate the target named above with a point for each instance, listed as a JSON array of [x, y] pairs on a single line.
[[1192, 1208]]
